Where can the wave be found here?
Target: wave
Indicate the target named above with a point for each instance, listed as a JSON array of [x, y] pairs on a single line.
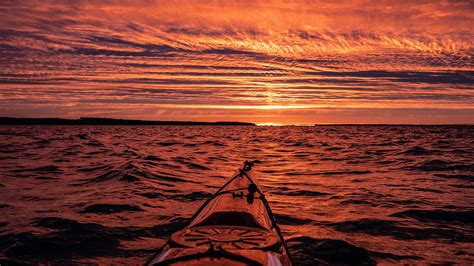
[[291, 220], [349, 172], [464, 217], [397, 230], [312, 251], [153, 158], [47, 169], [131, 172], [416, 150], [442, 165], [457, 176], [110, 208], [297, 192]]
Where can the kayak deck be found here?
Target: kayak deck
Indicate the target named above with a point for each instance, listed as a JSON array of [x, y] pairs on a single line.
[[234, 227]]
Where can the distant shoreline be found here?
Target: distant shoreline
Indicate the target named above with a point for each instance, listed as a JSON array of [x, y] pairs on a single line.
[[97, 121], [111, 121]]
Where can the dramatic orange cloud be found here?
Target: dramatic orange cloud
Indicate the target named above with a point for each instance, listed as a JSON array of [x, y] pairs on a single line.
[[259, 61]]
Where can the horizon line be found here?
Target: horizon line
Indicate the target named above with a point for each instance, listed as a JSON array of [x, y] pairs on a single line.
[[4, 121]]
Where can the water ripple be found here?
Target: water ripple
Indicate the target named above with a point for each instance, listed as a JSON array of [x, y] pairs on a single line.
[[86, 194]]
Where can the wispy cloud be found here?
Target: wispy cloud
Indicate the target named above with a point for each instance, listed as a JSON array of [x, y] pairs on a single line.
[[273, 58]]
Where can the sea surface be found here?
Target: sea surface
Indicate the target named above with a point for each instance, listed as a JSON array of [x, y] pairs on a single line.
[[341, 194]]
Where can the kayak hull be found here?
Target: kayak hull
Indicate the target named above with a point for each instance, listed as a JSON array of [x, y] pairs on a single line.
[[234, 227]]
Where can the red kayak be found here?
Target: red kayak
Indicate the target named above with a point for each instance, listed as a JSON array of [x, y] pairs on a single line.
[[234, 227]]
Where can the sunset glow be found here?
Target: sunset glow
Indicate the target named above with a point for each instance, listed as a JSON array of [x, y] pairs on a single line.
[[268, 62]]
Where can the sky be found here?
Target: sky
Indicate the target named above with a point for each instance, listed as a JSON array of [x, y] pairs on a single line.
[[268, 62]]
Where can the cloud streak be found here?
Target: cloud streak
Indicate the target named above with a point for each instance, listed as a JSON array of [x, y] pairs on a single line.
[[235, 56]]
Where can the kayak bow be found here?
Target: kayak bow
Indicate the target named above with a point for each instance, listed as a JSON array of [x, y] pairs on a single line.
[[234, 227]]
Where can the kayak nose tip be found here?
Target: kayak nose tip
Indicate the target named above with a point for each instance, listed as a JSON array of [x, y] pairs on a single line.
[[248, 165]]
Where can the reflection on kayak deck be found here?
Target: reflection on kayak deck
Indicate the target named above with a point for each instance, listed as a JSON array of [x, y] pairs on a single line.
[[235, 227]]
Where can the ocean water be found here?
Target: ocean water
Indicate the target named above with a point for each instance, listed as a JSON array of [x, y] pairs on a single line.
[[341, 194]]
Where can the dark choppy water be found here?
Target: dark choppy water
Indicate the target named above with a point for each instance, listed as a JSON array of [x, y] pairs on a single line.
[[113, 194]]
